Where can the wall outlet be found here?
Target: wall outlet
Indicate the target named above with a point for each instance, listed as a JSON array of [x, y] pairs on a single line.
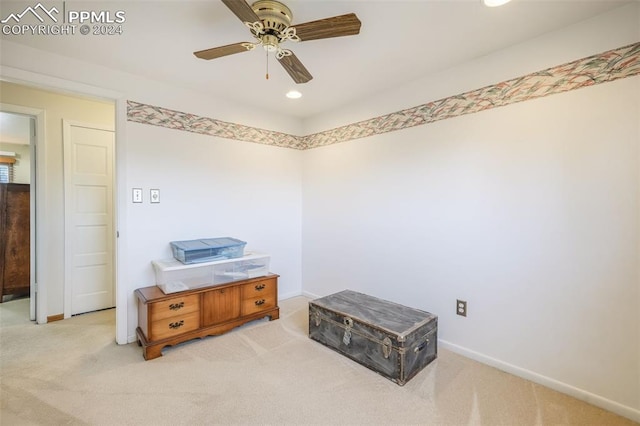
[[461, 307]]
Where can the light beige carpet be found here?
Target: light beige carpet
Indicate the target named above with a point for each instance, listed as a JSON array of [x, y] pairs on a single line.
[[71, 372]]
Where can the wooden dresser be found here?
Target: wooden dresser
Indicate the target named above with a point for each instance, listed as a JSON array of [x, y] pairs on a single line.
[[169, 319], [15, 238]]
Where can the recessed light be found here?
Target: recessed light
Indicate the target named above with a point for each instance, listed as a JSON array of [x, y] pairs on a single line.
[[294, 94], [494, 3]]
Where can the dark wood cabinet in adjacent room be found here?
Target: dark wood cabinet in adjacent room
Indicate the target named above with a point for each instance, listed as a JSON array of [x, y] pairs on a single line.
[[15, 259]]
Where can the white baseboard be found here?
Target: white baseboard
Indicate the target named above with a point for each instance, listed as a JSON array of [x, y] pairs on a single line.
[[598, 401], [289, 295], [310, 295]]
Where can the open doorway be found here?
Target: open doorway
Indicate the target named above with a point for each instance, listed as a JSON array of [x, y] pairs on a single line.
[[17, 206], [51, 109]]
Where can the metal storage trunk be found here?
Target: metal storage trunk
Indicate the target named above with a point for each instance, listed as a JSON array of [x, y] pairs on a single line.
[[393, 340]]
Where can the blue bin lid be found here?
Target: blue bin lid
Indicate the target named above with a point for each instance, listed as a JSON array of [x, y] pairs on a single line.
[[207, 243]]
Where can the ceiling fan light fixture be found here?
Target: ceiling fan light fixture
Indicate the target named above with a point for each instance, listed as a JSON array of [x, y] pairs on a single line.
[[495, 3], [293, 94], [270, 42], [273, 27]]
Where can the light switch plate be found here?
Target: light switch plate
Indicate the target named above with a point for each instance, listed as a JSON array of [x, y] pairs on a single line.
[[137, 195], [155, 195]]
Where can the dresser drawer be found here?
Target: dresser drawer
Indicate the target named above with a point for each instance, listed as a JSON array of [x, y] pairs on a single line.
[[260, 289], [176, 306], [173, 326], [250, 306]]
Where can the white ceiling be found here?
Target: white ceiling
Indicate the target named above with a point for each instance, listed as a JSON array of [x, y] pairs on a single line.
[[14, 129], [400, 41]]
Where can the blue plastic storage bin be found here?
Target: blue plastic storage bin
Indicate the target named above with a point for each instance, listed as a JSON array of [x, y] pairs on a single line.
[[207, 250]]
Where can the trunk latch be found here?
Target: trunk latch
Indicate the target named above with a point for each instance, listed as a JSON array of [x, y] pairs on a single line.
[[348, 323], [386, 347]]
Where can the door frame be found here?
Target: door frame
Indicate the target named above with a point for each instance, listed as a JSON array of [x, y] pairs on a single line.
[[66, 150], [37, 220], [46, 82]]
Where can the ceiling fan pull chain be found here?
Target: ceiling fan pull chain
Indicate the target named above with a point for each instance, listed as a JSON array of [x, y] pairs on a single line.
[[267, 64]]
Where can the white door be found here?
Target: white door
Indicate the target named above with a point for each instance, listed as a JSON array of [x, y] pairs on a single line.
[[88, 194]]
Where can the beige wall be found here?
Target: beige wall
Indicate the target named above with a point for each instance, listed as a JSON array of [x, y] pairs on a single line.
[[57, 108]]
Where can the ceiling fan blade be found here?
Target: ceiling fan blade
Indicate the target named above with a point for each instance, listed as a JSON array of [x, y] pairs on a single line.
[[296, 70], [242, 10], [338, 26], [218, 52]]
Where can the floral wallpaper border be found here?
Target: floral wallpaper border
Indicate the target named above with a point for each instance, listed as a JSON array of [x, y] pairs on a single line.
[[158, 116], [601, 68]]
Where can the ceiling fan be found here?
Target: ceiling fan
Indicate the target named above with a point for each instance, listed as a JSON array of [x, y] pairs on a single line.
[[269, 22]]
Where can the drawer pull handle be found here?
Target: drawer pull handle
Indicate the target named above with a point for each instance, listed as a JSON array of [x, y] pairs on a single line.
[[260, 302], [176, 306], [260, 287], [176, 325]]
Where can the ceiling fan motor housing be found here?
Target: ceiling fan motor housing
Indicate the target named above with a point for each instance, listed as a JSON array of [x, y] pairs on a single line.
[[275, 16]]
